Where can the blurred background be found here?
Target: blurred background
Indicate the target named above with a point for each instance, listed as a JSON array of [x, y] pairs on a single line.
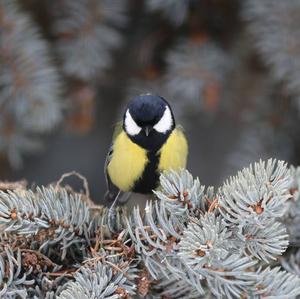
[[229, 68]]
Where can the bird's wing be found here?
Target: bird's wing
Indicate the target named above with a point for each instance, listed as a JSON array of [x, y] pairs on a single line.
[[112, 190]]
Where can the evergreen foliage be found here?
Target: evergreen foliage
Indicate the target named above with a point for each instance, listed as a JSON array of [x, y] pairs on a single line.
[[241, 240], [188, 242], [274, 26], [195, 68], [86, 31], [174, 11], [198, 54], [29, 84]]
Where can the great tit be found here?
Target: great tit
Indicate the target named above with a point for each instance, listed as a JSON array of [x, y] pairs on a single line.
[[147, 143]]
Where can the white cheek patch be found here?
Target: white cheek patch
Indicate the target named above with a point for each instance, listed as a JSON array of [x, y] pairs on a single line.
[[130, 125], [166, 122]]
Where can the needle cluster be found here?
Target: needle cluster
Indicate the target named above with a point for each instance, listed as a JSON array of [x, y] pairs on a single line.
[[189, 242]]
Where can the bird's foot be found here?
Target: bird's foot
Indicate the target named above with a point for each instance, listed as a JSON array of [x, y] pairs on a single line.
[[112, 220]]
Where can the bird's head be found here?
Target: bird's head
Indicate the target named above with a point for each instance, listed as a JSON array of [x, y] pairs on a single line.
[[148, 121]]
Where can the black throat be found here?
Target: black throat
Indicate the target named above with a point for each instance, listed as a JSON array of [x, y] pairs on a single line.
[[151, 143]]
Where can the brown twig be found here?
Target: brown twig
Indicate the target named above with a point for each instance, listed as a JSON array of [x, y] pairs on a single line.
[[116, 268], [84, 180], [4, 185], [63, 273], [213, 205]]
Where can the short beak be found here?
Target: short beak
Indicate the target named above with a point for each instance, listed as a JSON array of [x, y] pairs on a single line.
[[147, 130]]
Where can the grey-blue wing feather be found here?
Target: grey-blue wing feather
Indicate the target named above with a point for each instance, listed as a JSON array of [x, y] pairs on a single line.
[[112, 190]]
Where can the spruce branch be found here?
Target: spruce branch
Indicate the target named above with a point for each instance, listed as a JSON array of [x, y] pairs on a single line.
[[177, 289], [56, 232], [27, 273], [86, 32], [207, 248], [98, 281], [180, 190], [156, 235], [267, 243], [54, 244], [291, 218], [13, 280], [54, 219], [274, 26], [274, 283], [174, 11], [250, 204], [205, 242], [256, 194], [30, 89], [196, 72], [291, 263]]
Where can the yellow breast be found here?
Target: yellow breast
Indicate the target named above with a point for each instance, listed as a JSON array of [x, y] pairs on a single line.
[[173, 154], [127, 163]]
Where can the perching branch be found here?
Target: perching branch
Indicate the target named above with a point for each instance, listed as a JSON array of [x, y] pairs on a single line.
[[188, 243]]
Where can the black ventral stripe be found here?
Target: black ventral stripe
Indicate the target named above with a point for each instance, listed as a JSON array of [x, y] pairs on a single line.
[[150, 177]]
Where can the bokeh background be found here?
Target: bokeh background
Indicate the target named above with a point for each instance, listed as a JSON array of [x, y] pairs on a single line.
[[229, 68]]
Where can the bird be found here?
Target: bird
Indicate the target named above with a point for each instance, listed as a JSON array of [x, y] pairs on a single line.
[[146, 143]]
